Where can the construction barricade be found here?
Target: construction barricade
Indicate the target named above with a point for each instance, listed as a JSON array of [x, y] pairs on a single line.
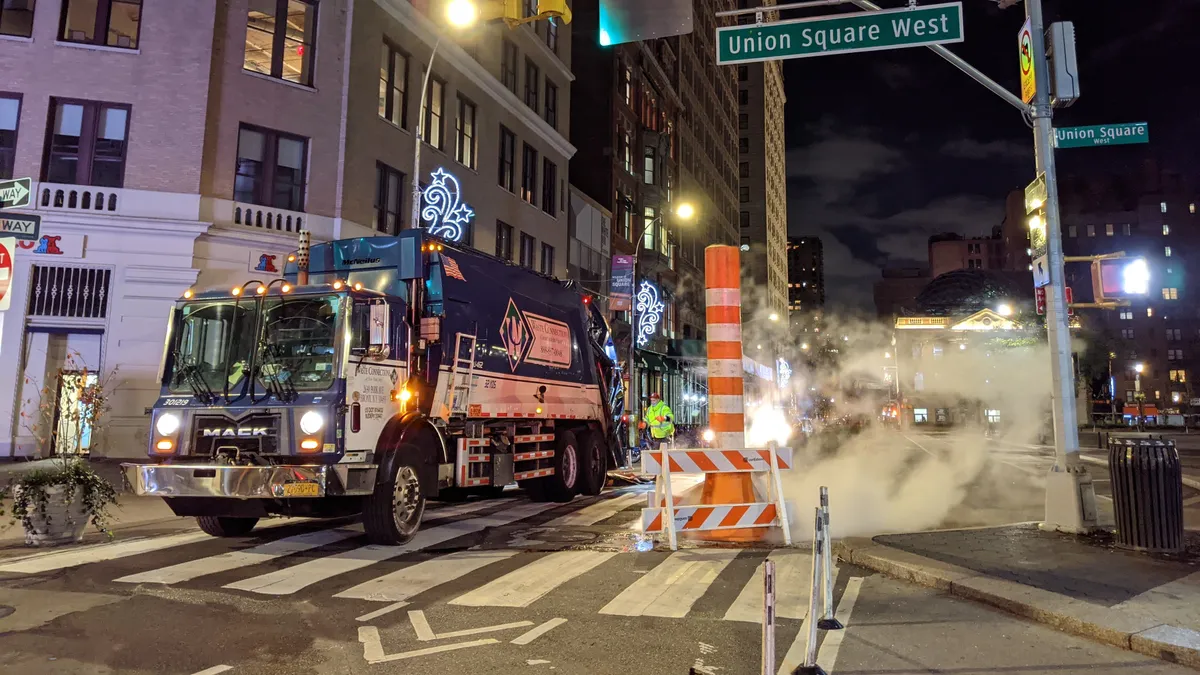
[[665, 515]]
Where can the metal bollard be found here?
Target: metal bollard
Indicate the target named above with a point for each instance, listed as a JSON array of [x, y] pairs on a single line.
[[768, 629], [810, 666], [828, 621]]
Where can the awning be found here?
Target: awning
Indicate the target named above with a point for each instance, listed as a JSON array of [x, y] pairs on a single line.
[[1147, 410], [652, 361]]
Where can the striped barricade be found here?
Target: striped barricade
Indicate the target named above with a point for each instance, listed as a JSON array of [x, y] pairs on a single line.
[[707, 517]]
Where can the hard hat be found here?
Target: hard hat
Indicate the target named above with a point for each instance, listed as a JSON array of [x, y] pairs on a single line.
[[654, 396]]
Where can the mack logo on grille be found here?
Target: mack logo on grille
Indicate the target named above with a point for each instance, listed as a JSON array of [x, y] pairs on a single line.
[[236, 432]]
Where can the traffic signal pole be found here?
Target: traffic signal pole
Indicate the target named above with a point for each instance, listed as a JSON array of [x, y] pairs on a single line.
[[1070, 496]]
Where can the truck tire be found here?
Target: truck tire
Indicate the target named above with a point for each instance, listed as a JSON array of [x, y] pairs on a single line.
[[220, 526], [392, 513], [593, 463], [567, 463]]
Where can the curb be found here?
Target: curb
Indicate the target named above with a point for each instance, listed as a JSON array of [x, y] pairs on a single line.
[[1137, 633], [1190, 482]]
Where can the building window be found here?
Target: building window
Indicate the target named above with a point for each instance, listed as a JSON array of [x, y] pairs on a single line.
[[271, 168], [743, 73], [551, 104], [508, 65], [508, 151], [626, 84], [529, 158], [1091, 230], [743, 97], [1149, 311], [625, 150], [113, 23], [743, 121], [87, 143], [1162, 206], [432, 130], [1128, 394], [1174, 354], [1127, 333], [1126, 229], [744, 170], [549, 186], [1174, 334], [744, 219], [280, 39], [1167, 251], [504, 240], [530, 8], [10, 116], [1072, 231], [552, 34], [1170, 293], [532, 77], [388, 197], [744, 194], [393, 85], [1166, 230], [1192, 207], [1108, 230], [1126, 315], [547, 259], [16, 18], [743, 145], [648, 165], [649, 215], [464, 149], [626, 205], [1178, 375], [527, 248]]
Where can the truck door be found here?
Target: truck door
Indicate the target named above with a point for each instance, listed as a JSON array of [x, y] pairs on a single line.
[[376, 367]]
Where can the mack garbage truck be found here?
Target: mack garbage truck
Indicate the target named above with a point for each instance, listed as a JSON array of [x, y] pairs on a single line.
[[379, 373]]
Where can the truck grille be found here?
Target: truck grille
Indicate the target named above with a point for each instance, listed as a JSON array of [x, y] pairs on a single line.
[[258, 432]]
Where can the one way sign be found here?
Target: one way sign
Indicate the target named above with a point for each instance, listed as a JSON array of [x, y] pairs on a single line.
[[14, 194]]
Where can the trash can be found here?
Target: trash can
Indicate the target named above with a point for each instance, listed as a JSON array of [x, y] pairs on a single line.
[[1147, 486]]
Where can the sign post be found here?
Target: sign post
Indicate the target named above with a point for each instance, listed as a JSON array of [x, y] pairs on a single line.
[[1133, 133], [14, 194], [844, 34]]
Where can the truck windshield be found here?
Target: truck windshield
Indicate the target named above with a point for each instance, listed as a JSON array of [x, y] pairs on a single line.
[[215, 340]]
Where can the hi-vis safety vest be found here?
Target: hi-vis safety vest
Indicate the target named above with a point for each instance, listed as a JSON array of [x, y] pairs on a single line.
[[664, 427]]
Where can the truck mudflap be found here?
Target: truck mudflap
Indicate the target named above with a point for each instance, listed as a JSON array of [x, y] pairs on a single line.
[[250, 482]]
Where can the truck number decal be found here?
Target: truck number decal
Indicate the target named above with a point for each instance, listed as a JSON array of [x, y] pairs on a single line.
[[175, 401], [489, 384]]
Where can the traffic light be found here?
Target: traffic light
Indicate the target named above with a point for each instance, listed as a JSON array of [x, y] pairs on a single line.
[[512, 12], [1120, 278], [624, 21]]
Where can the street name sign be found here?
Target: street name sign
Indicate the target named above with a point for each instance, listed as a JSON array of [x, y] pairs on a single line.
[[842, 34], [1025, 52], [21, 226], [14, 194], [1132, 133]]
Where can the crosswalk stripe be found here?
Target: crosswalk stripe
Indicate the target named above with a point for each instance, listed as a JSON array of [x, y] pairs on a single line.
[[298, 577], [410, 581], [99, 553], [594, 513], [460, 509], [235, 559], [793, 579], [671, 589], [522, 587]]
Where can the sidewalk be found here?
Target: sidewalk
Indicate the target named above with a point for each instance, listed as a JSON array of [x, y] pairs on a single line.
[[1079, 584]]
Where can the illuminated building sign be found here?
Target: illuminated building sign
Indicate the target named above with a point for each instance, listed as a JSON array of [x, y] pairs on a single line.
[[443, 210], [783, 373], [649, 312]]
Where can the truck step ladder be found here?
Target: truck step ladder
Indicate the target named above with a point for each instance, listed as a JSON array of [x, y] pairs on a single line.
[[462, 373]]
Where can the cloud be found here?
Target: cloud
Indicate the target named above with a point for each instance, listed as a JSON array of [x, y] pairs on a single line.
[[969, 148], [894, 75]]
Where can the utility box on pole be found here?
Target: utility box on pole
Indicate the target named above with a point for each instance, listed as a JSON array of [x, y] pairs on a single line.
[[1064, 67]]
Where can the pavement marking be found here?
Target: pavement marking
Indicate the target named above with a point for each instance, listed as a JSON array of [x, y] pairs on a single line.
[[828, 656], [410, 581], [671, 588], [793, 574], [541, 630], [214, 670], [373, 647], [485, 629], [298, 577], [224, 562], [469, 507], [421, 626], [99, 553], [380, 612], [927, 451], [794, 658], [594, 513], [525, 585]]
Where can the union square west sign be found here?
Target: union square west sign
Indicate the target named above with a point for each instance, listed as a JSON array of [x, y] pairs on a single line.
[[841, 34]]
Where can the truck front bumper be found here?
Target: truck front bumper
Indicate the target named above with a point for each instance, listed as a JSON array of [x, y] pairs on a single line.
[[250, 482]]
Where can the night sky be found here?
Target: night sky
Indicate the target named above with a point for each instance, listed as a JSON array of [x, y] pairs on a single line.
[[886, 148]]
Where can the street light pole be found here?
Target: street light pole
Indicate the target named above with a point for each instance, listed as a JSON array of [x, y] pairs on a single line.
[[1070, 497], [415, 218]]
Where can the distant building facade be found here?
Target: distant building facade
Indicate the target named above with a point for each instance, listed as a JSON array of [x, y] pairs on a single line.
[[806, 275]]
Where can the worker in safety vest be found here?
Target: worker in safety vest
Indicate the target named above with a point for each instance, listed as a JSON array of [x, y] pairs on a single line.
[[661, 420]]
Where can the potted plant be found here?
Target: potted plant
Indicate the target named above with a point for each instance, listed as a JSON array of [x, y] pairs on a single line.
[[55, 504]]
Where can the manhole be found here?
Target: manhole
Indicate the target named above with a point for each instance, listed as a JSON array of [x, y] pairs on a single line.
[[5, 610]]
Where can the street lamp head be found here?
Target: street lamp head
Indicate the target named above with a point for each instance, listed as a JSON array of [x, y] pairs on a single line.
[[1139, 368], [774, 316], [685, 211], [462, 13], [804, 346], [1004, 310]]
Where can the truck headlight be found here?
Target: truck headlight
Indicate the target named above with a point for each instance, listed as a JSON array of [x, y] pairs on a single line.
[[167, 424], [311, 422]]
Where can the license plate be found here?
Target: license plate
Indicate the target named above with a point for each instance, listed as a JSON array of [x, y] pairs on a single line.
[[302, 490]]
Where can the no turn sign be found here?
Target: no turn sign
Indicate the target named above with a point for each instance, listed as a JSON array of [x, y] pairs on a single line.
[[8, 247]]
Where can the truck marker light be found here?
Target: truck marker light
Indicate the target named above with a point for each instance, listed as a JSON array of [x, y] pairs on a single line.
[[358, 286], [187, 295], [309, 444], [261, 289], [337, 285], [292, 258], [236, 291], [164, 445], [404, 395], [539, 411], [285, 288]]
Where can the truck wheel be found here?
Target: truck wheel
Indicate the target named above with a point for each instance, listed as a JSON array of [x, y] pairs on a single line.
[[566, 481], [593, 463], [220, 526], [392, 513]]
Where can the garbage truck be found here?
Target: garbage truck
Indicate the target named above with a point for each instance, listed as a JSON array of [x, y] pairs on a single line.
[[377, 374]]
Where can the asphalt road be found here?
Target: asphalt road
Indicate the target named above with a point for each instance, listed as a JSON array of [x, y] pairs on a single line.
[[500, 587]]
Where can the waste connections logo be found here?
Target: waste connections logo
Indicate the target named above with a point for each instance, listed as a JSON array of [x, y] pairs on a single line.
[[516, 335]]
